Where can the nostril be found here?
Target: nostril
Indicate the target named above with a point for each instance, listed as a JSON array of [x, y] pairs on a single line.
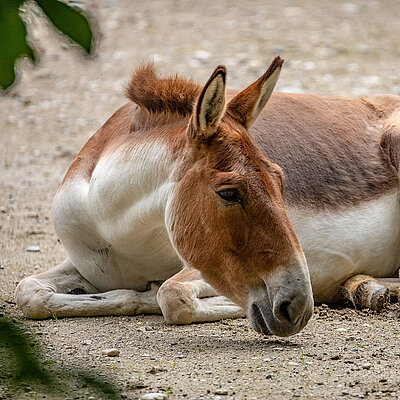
[[283, 311], [287, 312]]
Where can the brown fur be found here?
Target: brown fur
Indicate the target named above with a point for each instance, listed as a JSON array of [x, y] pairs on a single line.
[[328, 148], [162, 95], [242, 105], [259, 231]]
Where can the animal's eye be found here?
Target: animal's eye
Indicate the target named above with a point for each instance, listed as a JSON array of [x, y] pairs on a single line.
[[231, 195]]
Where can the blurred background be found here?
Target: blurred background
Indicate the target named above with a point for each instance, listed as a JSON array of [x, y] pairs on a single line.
[[330, 47]]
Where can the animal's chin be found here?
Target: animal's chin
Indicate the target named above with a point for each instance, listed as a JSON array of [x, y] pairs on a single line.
[[257, 320]]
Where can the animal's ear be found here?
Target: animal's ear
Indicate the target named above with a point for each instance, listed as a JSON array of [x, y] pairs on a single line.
[[210, 106], [247, 105]]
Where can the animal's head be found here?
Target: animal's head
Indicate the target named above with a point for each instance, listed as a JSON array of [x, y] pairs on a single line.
[[227, 217]]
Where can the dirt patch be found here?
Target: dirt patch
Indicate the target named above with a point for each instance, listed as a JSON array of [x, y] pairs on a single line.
[[330, 47]]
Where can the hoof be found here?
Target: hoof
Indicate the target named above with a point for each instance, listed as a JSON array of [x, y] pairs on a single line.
[[372, 295]]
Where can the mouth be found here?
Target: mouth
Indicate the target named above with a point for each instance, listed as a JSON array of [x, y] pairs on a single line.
[[257, 320], [278, 319]]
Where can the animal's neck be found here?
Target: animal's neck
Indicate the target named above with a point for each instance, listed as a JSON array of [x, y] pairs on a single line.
[[133, 185]]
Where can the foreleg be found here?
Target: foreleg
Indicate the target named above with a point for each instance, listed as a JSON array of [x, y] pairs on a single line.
[[64, 292], [187, 298]]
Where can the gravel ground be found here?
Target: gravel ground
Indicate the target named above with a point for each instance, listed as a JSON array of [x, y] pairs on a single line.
[[331, 47]]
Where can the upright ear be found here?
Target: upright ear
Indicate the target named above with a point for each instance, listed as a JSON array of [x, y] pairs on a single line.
[[210, 106], [247, 105]]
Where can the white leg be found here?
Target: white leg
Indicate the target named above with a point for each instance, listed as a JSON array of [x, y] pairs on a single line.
[[49, 293], [187, 298]]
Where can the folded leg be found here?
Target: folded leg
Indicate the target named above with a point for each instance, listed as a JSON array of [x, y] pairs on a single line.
[[187, 298], [64, 292]]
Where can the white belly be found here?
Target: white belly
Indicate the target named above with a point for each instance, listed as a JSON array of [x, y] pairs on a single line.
[[362, 240]]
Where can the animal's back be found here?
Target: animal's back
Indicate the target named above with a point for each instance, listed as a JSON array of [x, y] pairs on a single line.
[[328, 147]]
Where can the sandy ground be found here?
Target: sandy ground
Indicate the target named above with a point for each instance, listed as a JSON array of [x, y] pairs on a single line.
[[331, 47]]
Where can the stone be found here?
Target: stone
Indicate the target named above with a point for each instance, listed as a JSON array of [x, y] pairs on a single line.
[[366, 365], [113, 352], [153, 396], [33, 249]]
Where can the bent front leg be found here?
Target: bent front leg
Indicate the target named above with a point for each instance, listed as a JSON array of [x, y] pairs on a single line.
[[187, 298], [64, 292]]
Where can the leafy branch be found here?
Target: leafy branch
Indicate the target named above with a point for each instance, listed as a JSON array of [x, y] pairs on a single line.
[[13, 33]]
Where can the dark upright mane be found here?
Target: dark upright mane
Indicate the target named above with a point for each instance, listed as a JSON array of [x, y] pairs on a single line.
[[161, 95]]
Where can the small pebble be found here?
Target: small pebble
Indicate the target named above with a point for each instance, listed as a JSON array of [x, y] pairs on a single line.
[[111, 352], [293, 364], [366, 365], [146, 328], [222, 392], [153, 396], [33, 249]]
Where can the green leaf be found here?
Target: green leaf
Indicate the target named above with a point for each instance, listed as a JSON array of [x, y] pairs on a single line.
[[13, 44], [69, 21]]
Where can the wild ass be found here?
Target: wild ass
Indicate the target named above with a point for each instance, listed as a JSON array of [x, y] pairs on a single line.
[[175, 189]]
